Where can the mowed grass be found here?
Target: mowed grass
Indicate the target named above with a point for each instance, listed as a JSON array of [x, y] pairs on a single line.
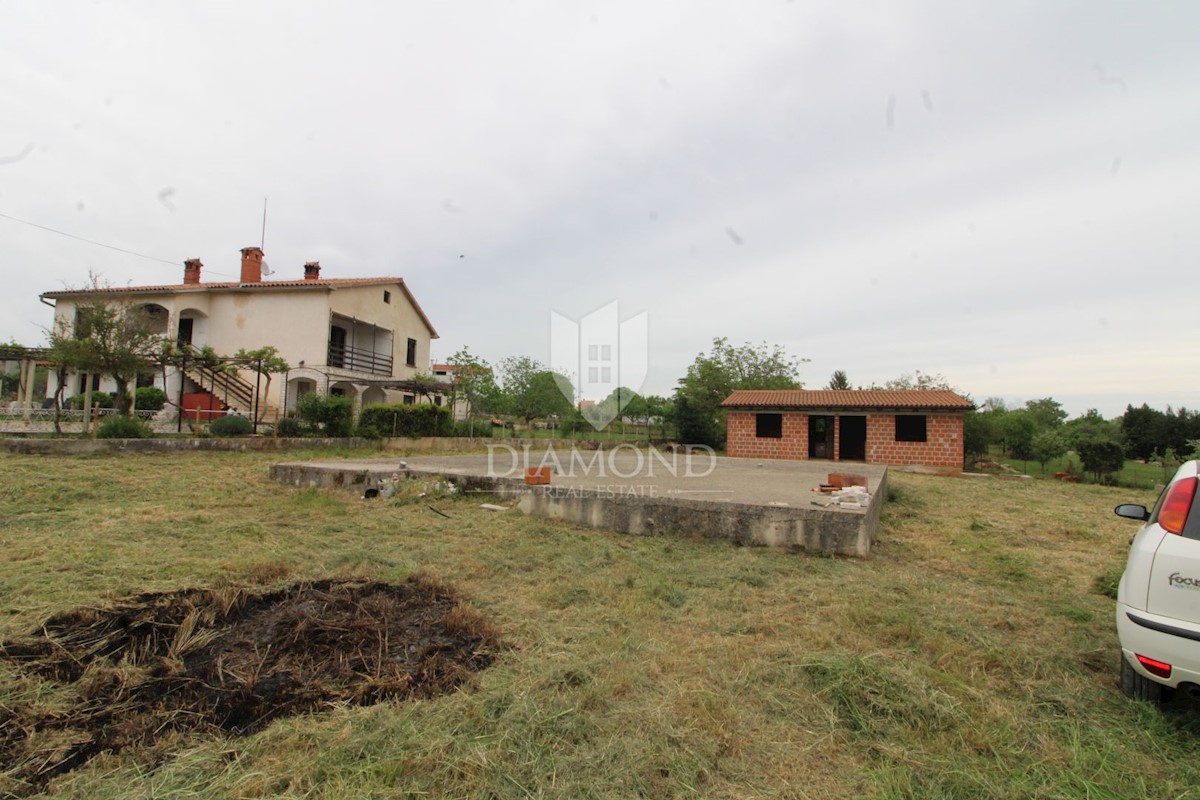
[[970, 656], [1135, 474]]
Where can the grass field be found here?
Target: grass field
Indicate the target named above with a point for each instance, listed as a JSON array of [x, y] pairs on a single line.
[[970, 656], [1135, 474]]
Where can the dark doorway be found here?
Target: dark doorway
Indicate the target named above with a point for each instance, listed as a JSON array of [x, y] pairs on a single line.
[[186, 326], [820, 437], [852, 438], [337, 346]]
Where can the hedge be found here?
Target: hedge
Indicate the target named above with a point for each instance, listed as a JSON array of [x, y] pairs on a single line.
[[327, 415], [405, 420]]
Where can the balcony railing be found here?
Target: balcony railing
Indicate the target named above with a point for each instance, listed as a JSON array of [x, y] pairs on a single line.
[[360, 360]]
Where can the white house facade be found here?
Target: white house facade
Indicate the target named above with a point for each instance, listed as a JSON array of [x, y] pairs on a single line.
[[357, 337]]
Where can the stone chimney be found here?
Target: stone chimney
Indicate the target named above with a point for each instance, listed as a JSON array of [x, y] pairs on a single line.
[[191, 272], [252, 258], [312, 271]]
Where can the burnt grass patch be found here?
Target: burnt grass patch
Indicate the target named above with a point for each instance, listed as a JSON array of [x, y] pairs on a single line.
[[228, 661]]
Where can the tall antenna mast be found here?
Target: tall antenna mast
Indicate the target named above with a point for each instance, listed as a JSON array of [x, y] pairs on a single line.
[[262, 245]]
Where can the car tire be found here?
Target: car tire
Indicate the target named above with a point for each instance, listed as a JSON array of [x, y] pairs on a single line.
[[1138, 686]]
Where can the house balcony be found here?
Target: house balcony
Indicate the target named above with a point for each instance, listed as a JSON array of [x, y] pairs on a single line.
[[358, 359], [358, 346]]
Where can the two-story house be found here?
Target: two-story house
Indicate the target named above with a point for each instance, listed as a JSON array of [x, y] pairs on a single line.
[[359, 337]]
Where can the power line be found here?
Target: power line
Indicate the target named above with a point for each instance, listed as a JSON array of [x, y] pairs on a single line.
[[89, 241]]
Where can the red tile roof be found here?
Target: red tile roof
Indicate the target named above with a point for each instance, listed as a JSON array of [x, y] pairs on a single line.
[[327, 283], [931, 399], [230, 286]]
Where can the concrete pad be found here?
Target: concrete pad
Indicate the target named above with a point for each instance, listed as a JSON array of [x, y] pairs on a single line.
[[747, 501]]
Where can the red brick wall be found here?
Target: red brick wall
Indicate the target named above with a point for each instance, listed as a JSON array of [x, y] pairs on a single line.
[[943, 446], [740, 440]]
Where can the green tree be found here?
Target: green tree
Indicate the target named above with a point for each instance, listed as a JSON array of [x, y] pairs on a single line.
[[635, 405], [1088, 427], [1101, 457], [917, 380], [530, 391], [266, 362], [1047, 412], [1019, 430], [715, 375], [620, 403], [472, 383], [978, 433], [1047, 446], [838, 380], [111, 336]]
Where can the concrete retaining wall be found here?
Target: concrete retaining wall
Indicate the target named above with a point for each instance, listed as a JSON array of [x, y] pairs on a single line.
[[741, 524], [789, 527]]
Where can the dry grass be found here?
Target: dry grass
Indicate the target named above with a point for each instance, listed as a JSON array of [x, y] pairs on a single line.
[[970, 656]]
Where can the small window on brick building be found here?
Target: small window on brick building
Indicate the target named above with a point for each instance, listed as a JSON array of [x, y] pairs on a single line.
[[768, 426], [410, 399], [411, 356], [387, 296], [910, 428]]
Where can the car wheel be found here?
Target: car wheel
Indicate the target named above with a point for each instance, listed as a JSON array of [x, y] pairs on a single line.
[[1138, 686]]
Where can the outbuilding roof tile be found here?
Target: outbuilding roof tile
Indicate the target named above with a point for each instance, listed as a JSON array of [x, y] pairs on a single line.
[[931, 399]]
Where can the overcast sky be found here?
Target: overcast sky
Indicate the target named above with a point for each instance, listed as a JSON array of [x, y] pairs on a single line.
[[1003, 193]]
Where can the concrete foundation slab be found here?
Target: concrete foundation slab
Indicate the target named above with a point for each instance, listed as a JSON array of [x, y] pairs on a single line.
[[748, 502]]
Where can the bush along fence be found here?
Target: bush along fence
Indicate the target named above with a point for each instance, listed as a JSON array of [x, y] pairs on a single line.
[[412, 421], [321, 416]]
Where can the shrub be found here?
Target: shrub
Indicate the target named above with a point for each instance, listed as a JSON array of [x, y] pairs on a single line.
[[575, 422], [9, 381], [231, 425], [367, 431], [405, 420], [149, 398], [328, 415], [289, 427], [122, 427], [1101, 457], [464, 427], [102, 399]]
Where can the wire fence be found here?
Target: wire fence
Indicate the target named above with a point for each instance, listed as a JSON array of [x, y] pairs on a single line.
[[70, 420]]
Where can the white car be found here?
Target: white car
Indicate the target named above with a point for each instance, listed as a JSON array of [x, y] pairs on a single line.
[[1158, 598]]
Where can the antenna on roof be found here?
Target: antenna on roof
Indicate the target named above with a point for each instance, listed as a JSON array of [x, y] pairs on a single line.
[[262, 245]]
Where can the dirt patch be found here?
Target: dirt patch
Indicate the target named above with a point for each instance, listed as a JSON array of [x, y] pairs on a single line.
[[230, 661]]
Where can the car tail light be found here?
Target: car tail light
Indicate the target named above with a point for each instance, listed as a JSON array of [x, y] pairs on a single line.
[[1160, 668], [1174, 512]]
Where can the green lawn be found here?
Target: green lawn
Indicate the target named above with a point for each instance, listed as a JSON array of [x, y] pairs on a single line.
[[971, 656], [1134, 474]]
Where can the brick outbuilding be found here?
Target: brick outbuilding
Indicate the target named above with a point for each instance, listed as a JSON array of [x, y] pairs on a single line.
[[899, 427]]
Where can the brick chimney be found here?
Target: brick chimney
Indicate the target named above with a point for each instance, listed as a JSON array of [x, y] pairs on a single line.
[[312, 271], [252, 258], [191, 272]]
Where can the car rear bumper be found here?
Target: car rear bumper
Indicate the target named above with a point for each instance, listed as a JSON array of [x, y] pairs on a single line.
[[1162, 638]]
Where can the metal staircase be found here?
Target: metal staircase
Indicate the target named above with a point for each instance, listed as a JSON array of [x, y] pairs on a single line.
[[228, 387]]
